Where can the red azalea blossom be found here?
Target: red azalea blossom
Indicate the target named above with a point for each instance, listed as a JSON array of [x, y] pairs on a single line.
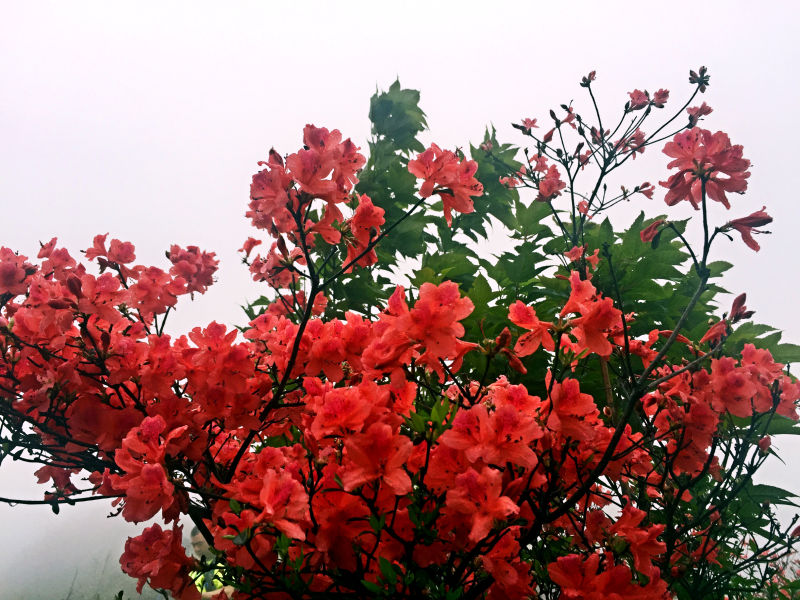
[[739, 310], [648, 233], [634, 143], [703, 158], [715, 332], [195, 267], [14, 272], [660, 98], [646, 189], [365, 226], [444, 174], [538, 331], [477, 495], [358, 438], [158, 558], [696, 112], [746, 226], [550, 185], [639, 99]]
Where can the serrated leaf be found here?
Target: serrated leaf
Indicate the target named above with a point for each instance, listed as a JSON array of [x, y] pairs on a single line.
[[769, 493], [481, 293]]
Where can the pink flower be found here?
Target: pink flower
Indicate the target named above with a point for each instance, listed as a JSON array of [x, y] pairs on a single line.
[[704, 157], [660, 98], [550, 185], [14, 272], [646, 189], [449, 177], [746, 226], [648, 233], [634, 143], [639, 99], [197, 267], [695, 112], [739, 310]]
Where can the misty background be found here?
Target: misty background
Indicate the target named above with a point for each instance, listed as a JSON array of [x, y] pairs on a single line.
[[146, 120]]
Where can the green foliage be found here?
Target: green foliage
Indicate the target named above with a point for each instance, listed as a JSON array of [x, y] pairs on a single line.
[[396, 117]]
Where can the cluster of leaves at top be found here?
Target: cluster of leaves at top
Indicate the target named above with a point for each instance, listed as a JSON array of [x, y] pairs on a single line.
[[558, 421]]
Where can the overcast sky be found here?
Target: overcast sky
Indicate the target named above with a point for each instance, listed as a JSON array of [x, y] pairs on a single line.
[[146, 119]]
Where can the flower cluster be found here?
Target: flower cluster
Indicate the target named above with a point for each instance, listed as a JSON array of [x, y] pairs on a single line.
[[452, 179], [708, 164], [390, 452]]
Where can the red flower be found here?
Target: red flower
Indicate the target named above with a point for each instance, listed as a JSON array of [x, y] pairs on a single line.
[[196, 267], [158, 558], [739, 310], [433, 323], [446, 175], [642, 542], [703, 157], [502, 436], [365, 225], [14, 272], [639, 99], [477, 497], [550, 185], [746, 227], [646, 189], [648, 233], [145, 482], [715, 332], [538, 331], [284, 503], [119, 252], [581, 578], [695, 112], [660, 98], [634, 143], [248, 246], [378, 453]]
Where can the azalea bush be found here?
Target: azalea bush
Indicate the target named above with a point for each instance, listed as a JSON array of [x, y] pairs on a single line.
[[578, 415]]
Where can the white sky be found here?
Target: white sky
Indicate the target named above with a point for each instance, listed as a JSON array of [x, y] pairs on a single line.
[[146, 119]]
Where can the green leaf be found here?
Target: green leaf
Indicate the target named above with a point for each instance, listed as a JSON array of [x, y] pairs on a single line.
[[769, 493], [480, 293], [372, 587], [786, 353], [387, 570], [236, 507], [377, 523], [396, 115], [718, 267], [241, 538], [440, 410], [417, 422]]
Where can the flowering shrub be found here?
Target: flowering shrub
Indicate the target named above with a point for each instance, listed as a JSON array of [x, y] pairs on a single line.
[[567, 419]]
